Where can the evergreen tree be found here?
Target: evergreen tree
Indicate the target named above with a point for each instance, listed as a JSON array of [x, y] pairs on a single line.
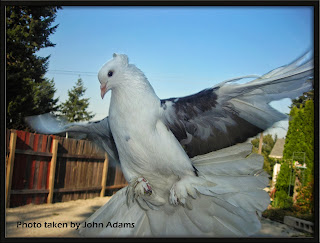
[[283, 177], [284, 186], [43, 97], [75, 108], [27, 31], [268, 143], [300, 136]]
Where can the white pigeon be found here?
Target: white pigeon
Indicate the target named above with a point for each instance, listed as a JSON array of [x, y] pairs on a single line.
[[189, 172]]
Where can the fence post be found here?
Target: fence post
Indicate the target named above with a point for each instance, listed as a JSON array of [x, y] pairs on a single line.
[[260, 143], [13, 140], [52, 169], [104, 175]]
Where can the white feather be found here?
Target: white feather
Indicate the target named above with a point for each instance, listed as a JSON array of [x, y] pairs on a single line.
[[229, 213]]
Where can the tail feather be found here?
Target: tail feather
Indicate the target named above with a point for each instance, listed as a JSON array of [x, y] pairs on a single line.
[[133, 219], [226, 207]]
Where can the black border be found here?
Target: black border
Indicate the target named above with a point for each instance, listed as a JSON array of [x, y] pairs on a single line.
[[164, 3]]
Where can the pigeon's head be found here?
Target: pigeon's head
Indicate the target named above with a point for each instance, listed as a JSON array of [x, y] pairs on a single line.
[[112, 73]]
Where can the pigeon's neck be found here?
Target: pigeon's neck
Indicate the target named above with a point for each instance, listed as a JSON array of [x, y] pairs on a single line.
[[137, 97]]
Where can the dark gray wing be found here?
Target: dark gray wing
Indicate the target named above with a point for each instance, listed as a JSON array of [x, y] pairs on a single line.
[[99, 132], [230, 113]]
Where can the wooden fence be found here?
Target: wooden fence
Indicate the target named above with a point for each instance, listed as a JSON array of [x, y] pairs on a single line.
[[45, 169]]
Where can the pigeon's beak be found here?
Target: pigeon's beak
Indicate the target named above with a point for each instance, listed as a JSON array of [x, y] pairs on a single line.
[[103, 88]]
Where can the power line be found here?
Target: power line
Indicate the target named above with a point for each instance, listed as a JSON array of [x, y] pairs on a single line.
[[70, 72]]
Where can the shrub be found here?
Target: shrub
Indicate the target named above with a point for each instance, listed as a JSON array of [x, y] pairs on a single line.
[[282, 200], [304, 203]]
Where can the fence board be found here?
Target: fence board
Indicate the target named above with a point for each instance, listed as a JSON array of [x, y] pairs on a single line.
[[79, 174], [77, 178], [39, 169], [10, 167], [52, 170], [89, 175], [42, 169], [73, 164], [19, 171], [104, 176], [34, 165], [7, 146], [66, 197], [75, 173]]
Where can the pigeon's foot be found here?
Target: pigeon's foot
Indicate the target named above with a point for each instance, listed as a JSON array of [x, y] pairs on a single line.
[[137, 188], [141, 190], [180, 190], [142, 187]]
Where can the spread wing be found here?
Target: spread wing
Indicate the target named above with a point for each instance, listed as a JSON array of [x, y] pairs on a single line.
[[230, 113], [99, 132]]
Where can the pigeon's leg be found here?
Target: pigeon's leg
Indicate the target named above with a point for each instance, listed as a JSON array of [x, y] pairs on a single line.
[[186, 187], [142, 187], [138, 187], [179, 191]]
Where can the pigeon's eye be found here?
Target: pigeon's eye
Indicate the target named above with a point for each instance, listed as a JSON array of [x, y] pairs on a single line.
[[110, 73]]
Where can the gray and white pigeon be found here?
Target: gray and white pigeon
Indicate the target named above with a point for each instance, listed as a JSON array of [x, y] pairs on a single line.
[[189, 171]]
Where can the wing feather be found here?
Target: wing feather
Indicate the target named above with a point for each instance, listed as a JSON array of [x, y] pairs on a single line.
[[99, 132], [230, 113]]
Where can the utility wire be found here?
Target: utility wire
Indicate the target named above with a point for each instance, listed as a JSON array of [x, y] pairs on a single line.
[[69, 72]]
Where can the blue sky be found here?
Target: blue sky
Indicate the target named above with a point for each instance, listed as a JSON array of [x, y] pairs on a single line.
[[182, 50]]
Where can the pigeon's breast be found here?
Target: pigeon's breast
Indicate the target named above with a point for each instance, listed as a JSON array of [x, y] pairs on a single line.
[[143, 142], [146, 147], [133, 138]]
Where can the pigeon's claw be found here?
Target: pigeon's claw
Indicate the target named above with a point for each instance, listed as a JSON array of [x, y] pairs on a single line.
[[141, 190], [173, 198], [178, 193], [182, 191], [142, 187]]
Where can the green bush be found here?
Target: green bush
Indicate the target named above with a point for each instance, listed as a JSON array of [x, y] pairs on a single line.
[[305, 199], [282, 200], [277, 214]]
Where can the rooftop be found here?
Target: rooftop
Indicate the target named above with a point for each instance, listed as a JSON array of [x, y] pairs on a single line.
[[277, 151]]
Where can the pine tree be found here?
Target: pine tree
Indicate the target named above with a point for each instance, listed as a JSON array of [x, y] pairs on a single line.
[[75, 108], [43, 97], [27, 31]]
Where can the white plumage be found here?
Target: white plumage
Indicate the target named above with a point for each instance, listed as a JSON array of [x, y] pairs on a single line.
[[224, 207], [177, 185]]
